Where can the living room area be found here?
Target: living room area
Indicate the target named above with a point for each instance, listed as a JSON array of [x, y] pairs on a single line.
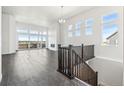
[[48, 45]]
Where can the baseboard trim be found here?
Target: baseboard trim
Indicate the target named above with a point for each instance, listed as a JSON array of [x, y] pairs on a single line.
[[9, 53], [82, 82], [109, 59], [102, 84]]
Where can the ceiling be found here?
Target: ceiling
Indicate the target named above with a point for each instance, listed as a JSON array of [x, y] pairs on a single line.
[[42, 15]]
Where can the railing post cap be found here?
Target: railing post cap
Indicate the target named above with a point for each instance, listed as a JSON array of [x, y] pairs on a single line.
[[59, 44], [70, 45]]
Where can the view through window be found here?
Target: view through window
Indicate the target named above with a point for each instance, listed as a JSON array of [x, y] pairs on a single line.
[[31, 38], [89, 26], [110, 29]]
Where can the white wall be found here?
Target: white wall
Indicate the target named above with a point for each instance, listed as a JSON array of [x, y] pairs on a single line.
[[110, 54], [109, 72], [100, 51], [123, 47], [5, 36], [0, 49], [8, 34], [53, 36], [12, 36]]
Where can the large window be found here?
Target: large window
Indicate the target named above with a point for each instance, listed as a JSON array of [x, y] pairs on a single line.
[[110, 29], [43, 36], [70, 30], [23, 38], [89, 26], [77, 30], [31, 37], [74, 30]]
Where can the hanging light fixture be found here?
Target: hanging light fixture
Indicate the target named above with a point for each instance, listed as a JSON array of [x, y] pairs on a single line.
[[62, 20]]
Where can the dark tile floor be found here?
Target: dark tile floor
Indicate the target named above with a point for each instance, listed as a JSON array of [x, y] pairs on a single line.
[[33, 68]]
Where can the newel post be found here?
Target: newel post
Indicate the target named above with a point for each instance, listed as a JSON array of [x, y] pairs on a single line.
[[93, 50], [59, 57], [96, 79], [70, 65], [82, 50]]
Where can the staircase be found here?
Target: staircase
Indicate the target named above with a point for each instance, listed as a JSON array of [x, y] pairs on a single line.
[[72, 63]]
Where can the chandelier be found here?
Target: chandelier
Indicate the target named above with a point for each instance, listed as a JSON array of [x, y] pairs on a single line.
[[62, 20]]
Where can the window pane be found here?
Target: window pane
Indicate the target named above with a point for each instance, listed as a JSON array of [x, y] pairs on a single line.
[[78, 25], [89, 22], [40, 37], [44, 38], [22, 31], [23, 37], [33, 37], [89, 31], [77, 33], [70, 34], [110, 17], [33, 32], [30, 36], [109, 34], [70, 27]]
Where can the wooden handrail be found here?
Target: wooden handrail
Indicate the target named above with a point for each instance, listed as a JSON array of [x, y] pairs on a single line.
[[72, 65], [83, 61]]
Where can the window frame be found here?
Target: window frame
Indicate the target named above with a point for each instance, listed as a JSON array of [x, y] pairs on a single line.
[[77, 29], [38, 35], [110, 23], [89, 26], [70, 31]]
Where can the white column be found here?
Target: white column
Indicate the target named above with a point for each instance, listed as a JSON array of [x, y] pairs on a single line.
[[0, 49]]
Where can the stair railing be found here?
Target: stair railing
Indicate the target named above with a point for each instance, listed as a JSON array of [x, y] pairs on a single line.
[[72, 65]]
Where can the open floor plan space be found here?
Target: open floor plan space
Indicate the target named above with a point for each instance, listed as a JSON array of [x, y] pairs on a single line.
[[62, 46]]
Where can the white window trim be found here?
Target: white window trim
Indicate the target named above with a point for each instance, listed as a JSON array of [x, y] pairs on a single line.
[[108, 23]]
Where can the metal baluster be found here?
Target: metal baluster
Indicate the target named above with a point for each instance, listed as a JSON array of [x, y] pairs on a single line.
[[78, 66], [65, 61], [62, 60], [72, 63], [75, 64], [59, 60]]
